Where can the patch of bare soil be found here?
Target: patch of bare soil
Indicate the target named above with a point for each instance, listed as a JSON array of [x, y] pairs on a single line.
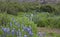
[[49, 30]]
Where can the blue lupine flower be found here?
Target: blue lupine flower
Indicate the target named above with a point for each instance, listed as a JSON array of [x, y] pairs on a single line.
[[30, 33], [24, 28], [28, 29], [17, 33], [40, 34], [13, 32], [11, 24], [25, 35], [8, 30], [4, 29]]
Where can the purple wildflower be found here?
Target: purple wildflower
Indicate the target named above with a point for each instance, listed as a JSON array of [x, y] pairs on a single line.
[[30, 33], [4, 29], [11, 24], [25, 35], [13, 32], [17, 33], [28, 29], [40, 34], [8, 30]]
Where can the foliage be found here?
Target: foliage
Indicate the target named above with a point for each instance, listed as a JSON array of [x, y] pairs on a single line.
[[15, 7], [47, 20], [47, 8], [17, 22]]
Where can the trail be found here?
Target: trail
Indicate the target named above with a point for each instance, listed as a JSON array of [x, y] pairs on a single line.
[[49, 30]]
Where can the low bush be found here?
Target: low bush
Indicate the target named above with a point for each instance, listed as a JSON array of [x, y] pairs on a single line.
[[47, 20], [47, 8]]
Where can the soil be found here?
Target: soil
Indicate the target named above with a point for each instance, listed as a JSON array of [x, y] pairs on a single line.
[[49, 30]]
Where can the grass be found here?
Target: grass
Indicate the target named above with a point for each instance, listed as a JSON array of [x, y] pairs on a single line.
[[53, 35]]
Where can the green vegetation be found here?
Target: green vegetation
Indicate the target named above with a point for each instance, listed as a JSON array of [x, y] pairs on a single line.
[[44, 15], [17, 22], [29, 14]]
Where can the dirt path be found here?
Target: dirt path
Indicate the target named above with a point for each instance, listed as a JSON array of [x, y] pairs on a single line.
[[49, 30]]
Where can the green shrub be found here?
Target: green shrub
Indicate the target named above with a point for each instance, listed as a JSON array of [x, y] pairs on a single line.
[[47, 20], [47, 8], [41, 19]]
